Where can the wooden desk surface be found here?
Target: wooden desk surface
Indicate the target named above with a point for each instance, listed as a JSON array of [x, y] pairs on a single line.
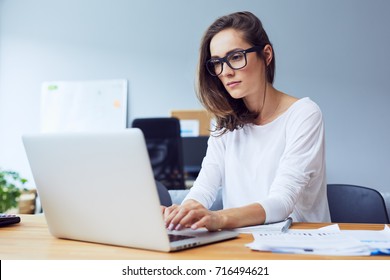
[[31, 239]]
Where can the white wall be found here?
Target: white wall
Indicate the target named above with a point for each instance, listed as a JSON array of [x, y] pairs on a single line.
[[336, 52]]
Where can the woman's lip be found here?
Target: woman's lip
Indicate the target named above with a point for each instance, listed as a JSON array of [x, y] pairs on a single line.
[[232, 84]]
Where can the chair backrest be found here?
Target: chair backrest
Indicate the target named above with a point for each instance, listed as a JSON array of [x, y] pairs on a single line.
[[164, 143], [356, 204]]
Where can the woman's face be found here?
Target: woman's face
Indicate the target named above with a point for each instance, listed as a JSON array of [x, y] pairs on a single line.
[[247, 82]]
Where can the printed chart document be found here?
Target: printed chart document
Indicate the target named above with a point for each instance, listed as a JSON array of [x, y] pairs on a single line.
[[329, 240]]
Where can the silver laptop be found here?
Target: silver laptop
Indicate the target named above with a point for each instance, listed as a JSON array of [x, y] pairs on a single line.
[[99, 187]]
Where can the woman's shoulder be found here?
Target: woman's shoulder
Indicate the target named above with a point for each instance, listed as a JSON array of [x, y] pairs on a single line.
[[290, 105], [305, 106], [303, 111]]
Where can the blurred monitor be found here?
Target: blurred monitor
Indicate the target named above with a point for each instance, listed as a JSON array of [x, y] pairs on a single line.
[[194, 150]]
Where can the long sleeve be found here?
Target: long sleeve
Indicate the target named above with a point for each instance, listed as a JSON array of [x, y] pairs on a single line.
[[300, 175]]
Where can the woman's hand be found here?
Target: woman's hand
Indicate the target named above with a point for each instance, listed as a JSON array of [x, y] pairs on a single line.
[[191, 214], [194, 215]]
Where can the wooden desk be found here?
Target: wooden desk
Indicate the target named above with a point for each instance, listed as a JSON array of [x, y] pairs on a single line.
[[31, 239]]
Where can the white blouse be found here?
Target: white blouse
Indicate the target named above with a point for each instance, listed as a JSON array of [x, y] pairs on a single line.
[[280, 165]]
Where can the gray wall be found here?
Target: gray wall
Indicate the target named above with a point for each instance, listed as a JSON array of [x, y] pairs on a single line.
[[336, 52]]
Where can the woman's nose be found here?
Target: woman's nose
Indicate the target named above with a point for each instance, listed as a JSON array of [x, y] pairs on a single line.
[[226, 70]]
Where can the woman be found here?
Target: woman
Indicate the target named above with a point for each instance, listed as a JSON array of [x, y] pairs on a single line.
[[267, 152]]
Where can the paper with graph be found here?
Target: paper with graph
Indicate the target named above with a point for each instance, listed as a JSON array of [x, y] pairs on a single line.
[[324, 241]]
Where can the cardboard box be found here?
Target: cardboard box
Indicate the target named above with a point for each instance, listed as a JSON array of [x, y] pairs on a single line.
[[193, 122]]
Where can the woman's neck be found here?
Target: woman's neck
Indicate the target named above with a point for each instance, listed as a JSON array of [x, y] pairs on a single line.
[[266, 104]]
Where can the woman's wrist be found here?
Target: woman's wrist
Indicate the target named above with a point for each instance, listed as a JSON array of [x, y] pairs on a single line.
[[249, 215], [223, 219], [192, 202]]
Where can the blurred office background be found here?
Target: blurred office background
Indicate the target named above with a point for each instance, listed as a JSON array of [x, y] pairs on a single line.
[[334, 51]]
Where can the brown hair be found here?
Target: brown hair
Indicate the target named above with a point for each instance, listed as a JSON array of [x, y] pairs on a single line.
[[230, 113]]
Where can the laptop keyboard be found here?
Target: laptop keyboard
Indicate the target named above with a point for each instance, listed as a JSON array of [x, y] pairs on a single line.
[[178, 237]]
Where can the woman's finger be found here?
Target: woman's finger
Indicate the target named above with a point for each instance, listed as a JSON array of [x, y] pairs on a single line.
[[175, 218]]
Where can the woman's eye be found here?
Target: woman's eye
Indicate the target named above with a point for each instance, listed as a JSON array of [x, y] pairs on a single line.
[[236, 57], [215, 62]]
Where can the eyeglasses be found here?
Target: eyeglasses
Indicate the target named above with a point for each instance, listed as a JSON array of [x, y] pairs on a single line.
[[235, 60]]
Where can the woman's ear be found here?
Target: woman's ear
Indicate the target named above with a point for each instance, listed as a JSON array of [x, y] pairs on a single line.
[[268, 54]]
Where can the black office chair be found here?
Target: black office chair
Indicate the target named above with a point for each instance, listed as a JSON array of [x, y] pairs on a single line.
[[356, 204], [164, 143]]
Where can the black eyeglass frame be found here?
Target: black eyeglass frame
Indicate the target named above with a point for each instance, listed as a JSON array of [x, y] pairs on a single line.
[[223, 60]]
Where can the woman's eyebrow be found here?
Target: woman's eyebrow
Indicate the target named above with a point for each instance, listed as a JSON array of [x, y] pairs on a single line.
[[229, 52]]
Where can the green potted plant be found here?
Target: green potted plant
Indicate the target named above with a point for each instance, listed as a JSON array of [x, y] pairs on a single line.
[[11, 188]]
